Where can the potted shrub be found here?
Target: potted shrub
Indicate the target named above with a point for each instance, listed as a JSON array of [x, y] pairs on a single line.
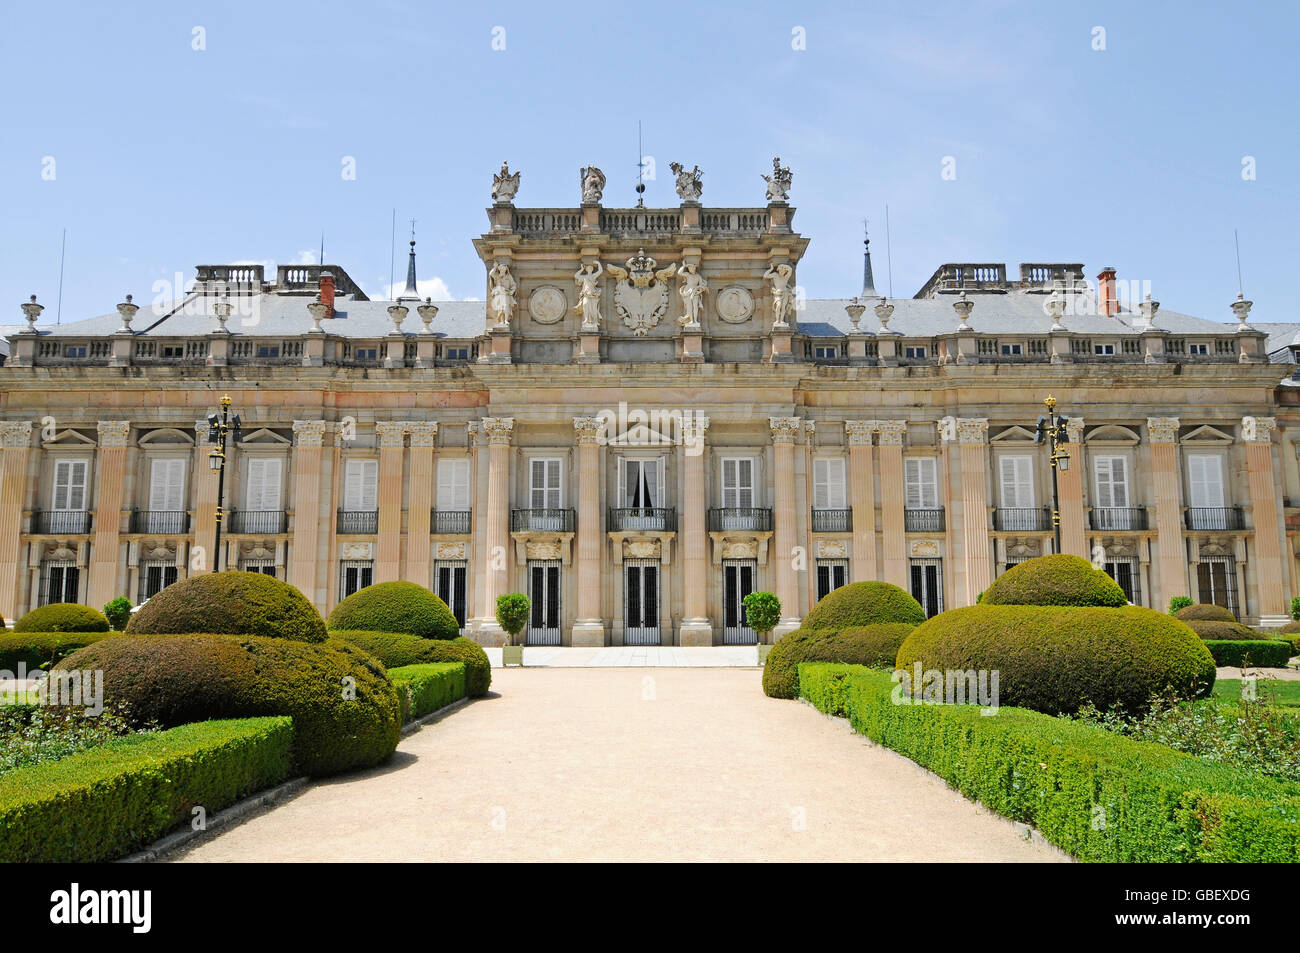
[[762, 612], [512, 616]]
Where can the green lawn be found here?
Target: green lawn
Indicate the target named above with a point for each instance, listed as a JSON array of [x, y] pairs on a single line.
[[1286, 694]]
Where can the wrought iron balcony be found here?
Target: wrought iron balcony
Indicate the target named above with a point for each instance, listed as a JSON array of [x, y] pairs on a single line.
[[541, 521], [61, 521], [832, 521], [162, 522], [923, 521], [1118, 517], [1024, 519], [1215, 517], [259, 521], [733, 517], [355, 522], [660, 519], [452, 521]]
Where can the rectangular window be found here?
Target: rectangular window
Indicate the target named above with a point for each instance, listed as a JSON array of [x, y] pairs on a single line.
[[828, 483], [1205, 479], [1217, 580], [738, 483], [831, 574], [1010, 350], [1202, 349], [167, 486], [545, 483], [355, 575], [451, 584], [1017, 482], [921, 481], [927, 585], [456, 353], [69, 485], [1103, 350], [1125, 574], [59, 581], [155, 576], [453, 485], [268, 350], [825, 352], [265, 566], [1111, 476], [262, 494], [640, 483], [74, 350], [360, 485], [172, 351], [914, 352]]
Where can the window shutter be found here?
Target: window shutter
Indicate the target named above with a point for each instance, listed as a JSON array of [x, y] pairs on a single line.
[[1206, 478], [453, 485], [1112, 481], [745, 483], [263, 493], [652, 482], [166, 485], [1017, 482], [70, 485], [919, 477], [360, 490], [828, 484], [625, 494]]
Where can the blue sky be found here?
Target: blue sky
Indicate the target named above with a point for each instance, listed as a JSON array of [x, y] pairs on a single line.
[[166, 156]]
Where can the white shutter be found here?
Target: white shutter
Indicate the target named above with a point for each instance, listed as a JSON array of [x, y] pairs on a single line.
[[167, 485], [1205, 474], [1017, 482], [1112, 481], [544, 483], [70, 485], [453, 485], [738, 482], [263, 491], [650, 495], [360, 485], [919, 478], [828, 484]]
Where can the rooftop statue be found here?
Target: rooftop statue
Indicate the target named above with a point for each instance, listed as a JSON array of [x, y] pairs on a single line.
[[689, 185], [592, 181], [778, 183], [504, 185]]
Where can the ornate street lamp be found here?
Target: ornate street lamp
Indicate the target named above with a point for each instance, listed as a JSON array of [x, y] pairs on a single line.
[[219, 429], [1051, 430]]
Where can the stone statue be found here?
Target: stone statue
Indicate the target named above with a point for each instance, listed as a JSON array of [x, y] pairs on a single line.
[[501, 296], [504, 185], [587, 279], [782, 293], [778, 183], [593, 184], [691, 287], [689, 185]]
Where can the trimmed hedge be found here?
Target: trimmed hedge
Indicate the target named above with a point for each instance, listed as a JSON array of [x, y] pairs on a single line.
[[104, 803], [1056, 580], [63, 617], [234, 603], [1156, 805], [1219, 629], [395, 607], [1293, 640], [35, 649], [426, 688], [1291, 628], [1204, 612], [874, 645], [394, 650], [1265, 653], [864, 603], [1055, 658], [178, 679]]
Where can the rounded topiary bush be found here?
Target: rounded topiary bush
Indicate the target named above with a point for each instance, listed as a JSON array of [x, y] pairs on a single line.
[[174, 680], [1054, 659], [393, 650], [1291, 628], [864, 603], [63, 617], [395, 607], [1057, 580], [874, 645], [1204, 612], [1219, 629], [236, 603]]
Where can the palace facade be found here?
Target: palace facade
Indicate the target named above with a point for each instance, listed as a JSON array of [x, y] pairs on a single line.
[[645, 419]]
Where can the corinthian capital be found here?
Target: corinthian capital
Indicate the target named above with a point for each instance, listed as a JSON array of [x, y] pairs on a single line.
[[15, 434], [113, 433], [422, 432], [589, 430], [1162, 429], [309, 433], [390, 433], [859, 432], [1258, 429], [497, 430], [893, 433], [784, 429]]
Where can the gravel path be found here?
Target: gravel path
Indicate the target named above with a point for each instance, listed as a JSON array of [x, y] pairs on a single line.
[[630, 765]]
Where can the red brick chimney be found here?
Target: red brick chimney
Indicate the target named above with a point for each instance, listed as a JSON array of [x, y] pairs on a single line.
[[327, 291], [1107, 303]]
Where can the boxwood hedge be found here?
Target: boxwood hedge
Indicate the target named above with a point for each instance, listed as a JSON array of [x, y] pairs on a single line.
[[234, 603], [864, 603], [426, 688], [1056, 580], [36, 649], [1221, 629], [394, 650], [1204, 612], [874, 645], [395, 607], [1265, 653], [63, 617]]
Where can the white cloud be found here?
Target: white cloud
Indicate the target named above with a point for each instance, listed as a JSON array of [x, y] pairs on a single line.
[[434, 288]]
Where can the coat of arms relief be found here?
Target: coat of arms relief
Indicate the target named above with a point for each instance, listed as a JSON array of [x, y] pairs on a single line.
[[641, 292]]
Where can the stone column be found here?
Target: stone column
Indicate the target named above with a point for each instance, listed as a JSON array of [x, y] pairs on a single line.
[[494, 559], [1266, 516], [784, 522], [1070, 483], [892, 498], [589, 627], [110, 486], [696, 629], [1162, 432], [391, 437], [204, 553], [308, 478], [973, 454], [862, 498], [419, 507], [16, 441]]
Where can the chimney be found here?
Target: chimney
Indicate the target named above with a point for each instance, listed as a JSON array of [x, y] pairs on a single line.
[[1107, 303], [327, 291]]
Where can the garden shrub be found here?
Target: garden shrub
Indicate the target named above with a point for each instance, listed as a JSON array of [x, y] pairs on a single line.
[[174, 680], [762, 612], [233, 603], [40, 649], [395, 650], [395, 607], [1266, 653], [1159, 805], [118, 612], [101, 804], [864, 603], [1204, 612], [1218, 629], [63, 617], [1056, 580], [430, 686], [1291, 628], [512, 614], [874, 645], [1055, 658], [1180, 602], [1292, 639]]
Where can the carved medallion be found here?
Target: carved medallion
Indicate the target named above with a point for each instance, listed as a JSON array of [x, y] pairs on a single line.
[[924, 548], [451, 551], [357, 551], [832, 549], [547, 304], [735, 305]]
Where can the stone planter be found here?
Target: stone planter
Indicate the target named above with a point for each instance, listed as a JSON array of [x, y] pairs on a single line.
[[763, 650], [512, 655]]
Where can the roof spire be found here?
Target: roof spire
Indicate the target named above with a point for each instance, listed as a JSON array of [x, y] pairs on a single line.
[[868, 282], [410, 291]]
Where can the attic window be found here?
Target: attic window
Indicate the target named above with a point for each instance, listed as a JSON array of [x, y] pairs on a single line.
[[1203, 349], [268, 350], [1103, 350], [74, 350]]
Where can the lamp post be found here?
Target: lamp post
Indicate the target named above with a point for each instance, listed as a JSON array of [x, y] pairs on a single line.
[[219, 429], [1051, 429]]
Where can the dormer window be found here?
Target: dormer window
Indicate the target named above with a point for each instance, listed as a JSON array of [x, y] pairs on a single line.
[[1103, 350], [268, 350], [1012, 350], [74, 350], [1201, 349], [917, 352]]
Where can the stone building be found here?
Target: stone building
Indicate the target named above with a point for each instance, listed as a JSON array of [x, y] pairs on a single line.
[[644, 419]]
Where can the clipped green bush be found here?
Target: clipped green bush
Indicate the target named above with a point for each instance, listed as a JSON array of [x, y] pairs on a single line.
[[395, 650], [864, 603], [1057, 580], [344, 709], [512, 614], [1180, 602], [762, 612], [1292, 639], [1204, 612], [874, 645], [1291, 628], [428, 687], [63, 617], [1055, 658], [395, 607], [1219, 629], [104, 803], [39, 649], [233, 603], [1265, 653], [118, 612]]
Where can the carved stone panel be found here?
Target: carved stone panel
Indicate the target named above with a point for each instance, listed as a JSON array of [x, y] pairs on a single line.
[[735, 305], [547, 305]]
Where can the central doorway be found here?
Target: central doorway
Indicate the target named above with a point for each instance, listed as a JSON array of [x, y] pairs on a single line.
[[641, 602], [544, 594], [737, 582]]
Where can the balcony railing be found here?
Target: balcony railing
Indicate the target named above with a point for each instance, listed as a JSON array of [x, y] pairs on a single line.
[[732, 517], [1119, 517], [923, 521], [162, 522], [358, 521], [1215, 517], [832, 521], [452, 521], [541, 521], [1023, 519], [61, 521], [259, 521], [662, 519]]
